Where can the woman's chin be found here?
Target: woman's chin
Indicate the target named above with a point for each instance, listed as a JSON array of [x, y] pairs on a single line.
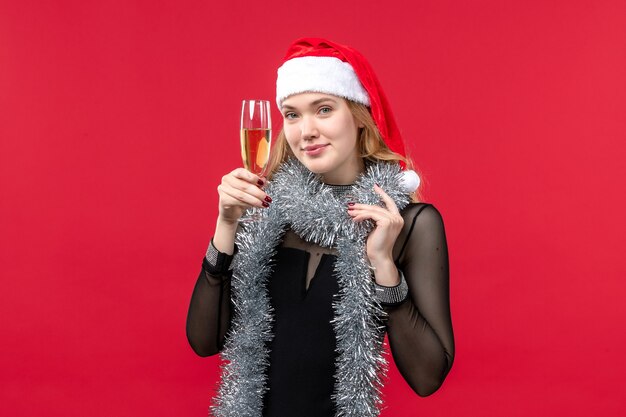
[[316, 166]]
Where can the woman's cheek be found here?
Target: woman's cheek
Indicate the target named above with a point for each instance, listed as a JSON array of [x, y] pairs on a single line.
[[292, 141]]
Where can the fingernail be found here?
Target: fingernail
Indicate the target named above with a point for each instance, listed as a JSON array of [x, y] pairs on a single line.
[[268, 198], [265, 204], [260, 182], [350, 203]]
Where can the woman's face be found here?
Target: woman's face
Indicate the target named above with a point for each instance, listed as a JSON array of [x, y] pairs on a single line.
[[322, 133]]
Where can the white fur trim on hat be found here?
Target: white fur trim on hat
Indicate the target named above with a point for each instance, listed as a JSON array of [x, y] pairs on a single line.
[[320, 74]]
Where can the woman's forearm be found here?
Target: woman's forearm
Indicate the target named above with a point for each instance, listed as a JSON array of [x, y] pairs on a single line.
[[419, 353], [209, 312]]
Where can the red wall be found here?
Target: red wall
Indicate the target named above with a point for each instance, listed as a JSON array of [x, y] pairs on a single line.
[[118, 118]]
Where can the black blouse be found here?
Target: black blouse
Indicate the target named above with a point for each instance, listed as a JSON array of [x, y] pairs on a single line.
[[302, 352], [301, 372]]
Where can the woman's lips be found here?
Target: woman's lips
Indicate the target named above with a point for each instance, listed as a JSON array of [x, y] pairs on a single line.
[[314, 149]]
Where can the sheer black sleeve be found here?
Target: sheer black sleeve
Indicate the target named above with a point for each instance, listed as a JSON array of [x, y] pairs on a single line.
[[420, 329], [209, 312]]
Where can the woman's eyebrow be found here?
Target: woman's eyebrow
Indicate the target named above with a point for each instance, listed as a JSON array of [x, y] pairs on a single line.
[[321, 100], [312, 104]]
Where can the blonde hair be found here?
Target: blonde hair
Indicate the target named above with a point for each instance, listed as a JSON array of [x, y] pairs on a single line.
[[370, 143]]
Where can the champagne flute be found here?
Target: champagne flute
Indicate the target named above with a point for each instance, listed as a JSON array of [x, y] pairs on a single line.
[[256, 137]]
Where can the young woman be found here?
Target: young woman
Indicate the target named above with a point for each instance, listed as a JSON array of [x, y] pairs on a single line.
[[299, 301]]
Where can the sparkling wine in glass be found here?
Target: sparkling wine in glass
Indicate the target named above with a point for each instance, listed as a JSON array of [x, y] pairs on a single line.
[[256, 135], [256, 138]]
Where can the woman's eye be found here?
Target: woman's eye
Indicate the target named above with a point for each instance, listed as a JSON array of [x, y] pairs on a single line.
[[290, 115], [325, 110]]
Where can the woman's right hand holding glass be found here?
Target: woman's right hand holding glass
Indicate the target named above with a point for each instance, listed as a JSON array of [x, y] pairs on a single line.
[[240, 190]]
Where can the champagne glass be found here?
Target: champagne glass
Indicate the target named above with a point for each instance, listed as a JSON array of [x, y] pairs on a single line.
[[256, 137]]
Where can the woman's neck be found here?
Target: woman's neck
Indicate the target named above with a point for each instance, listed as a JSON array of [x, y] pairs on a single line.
[[346, 174]]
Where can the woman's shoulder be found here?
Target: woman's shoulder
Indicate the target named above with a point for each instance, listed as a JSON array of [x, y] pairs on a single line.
[[421, 220], [422, 216], [422, 209]]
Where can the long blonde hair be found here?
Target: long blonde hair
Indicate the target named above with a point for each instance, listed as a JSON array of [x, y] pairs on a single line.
[[370, 143]]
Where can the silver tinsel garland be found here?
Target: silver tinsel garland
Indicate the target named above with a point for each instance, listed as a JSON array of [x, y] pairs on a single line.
[[309, 207]]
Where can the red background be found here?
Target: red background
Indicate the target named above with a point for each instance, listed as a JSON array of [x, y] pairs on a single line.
[[118, 118]]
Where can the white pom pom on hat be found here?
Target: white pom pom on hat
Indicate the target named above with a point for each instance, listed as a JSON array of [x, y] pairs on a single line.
[[410, 180]]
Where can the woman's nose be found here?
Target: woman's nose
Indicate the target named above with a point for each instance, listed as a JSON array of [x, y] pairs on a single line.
[[308, 128]]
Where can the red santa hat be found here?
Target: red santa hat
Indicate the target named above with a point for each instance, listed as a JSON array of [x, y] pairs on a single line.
[[319, 65]]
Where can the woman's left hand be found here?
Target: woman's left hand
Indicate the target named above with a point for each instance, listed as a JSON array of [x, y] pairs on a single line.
[[388, 221]]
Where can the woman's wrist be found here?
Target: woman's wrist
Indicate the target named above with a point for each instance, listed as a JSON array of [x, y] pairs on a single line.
[[227, 222], [218, 262], [385, 272], [392, 296], [391, 287], [224, 238]]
